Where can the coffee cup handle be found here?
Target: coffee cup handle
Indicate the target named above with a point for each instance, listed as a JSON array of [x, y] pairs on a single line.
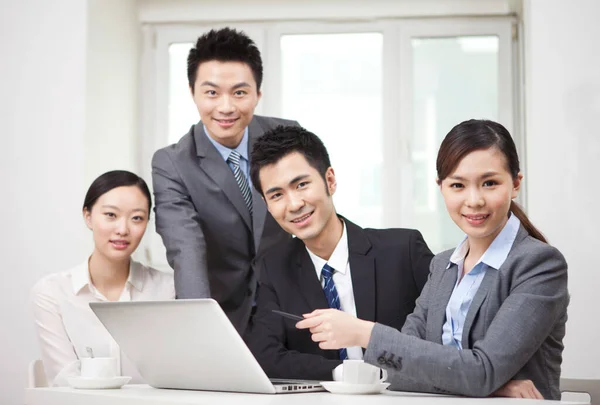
[[384, 375]]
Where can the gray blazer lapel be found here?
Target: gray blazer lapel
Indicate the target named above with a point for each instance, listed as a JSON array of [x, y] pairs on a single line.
[[259, 209], [437, 311], [482, 292], [490, 277], [212, 163]]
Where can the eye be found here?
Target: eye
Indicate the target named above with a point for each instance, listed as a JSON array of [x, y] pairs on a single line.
[[240, 93], [274, 196], [302, 184], [110, 214], [210, 92], [138, 218], [457, 185], [490, 183]]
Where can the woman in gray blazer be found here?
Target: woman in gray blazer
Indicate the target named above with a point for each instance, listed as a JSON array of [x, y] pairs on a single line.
[[494, 309]]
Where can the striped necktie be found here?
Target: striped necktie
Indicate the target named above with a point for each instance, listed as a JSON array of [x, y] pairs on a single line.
[[240, 178], [333, 299]]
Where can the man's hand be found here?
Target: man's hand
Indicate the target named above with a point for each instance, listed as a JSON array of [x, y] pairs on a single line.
[[518, 389], [334, 329]]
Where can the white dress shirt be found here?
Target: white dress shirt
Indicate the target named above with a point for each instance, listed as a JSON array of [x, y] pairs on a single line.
[[66, 325], [342, 280]]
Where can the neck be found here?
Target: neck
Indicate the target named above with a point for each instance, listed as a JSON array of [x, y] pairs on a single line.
[[230, 143], [324, 244], [478, 246], [107, 274]]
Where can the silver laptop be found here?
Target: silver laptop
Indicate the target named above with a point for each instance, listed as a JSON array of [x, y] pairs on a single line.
[[189, 344]]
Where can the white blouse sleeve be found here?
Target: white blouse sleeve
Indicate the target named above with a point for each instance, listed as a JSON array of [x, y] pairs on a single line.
[[56, 347]]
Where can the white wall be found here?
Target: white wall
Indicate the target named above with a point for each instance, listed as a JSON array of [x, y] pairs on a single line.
[[42, 109], [113, 49], [562, 76], [68, 112], [161, 11]]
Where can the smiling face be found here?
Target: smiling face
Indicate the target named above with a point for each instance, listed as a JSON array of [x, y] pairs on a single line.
[[478, 195], [118, 221], [226, 95], [298, 198]]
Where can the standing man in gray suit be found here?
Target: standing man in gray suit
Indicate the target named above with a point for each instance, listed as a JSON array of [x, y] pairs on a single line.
[[211, 220]]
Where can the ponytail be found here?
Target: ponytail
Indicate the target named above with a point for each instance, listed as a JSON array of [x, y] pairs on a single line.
[[532, 230]]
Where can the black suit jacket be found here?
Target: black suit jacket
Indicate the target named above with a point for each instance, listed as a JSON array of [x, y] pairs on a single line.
[[388, 268]]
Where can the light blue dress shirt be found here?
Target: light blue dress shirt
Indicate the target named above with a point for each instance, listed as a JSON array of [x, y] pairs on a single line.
[[465, 289], [242, 149]]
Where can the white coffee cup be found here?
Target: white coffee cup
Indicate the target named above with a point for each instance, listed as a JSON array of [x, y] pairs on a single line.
[[359, 372], [99, 367]]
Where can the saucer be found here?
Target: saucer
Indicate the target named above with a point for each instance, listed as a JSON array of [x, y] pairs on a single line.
[[84, 383], [340, 387]]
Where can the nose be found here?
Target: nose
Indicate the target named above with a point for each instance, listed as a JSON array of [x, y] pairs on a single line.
[[122, 227], [226, 106], [475, 198], [295, 202]]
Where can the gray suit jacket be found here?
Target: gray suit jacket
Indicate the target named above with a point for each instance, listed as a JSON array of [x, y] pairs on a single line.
[[513, 329], [205, 225]]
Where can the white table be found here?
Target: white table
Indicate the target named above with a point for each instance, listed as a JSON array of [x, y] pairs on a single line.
[[146, 395]]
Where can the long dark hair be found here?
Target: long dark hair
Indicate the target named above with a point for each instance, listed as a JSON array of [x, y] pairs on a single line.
[[113, 179], [472, 135]]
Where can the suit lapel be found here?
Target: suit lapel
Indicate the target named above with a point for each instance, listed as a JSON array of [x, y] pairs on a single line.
[[259, 209], [212, 163], [306, 277], [482, 292], [437, 312], [490, 277], [362, 270]]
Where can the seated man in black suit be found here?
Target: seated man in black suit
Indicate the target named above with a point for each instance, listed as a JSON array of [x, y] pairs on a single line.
[[332, 263]]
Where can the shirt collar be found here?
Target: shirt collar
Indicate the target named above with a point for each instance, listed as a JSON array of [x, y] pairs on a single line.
[[137, 275], [224, 151], [496, 253], [80, 276], [338, 259]]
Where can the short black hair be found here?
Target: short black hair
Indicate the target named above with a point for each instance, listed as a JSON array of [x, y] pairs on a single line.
[[280, 142], [113, 179], [225, 45]]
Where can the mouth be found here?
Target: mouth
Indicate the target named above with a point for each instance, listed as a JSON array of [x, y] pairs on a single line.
[[119, 244], [225, 123], [476, 219], [303, 220]]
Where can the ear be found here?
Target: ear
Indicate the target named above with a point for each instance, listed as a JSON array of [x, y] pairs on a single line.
[[191, 91], [87, 217], [331, 181], [517, 185], [259, 96], [438, 182]]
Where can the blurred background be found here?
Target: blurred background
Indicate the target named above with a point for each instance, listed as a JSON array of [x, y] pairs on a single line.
[[88, 86]]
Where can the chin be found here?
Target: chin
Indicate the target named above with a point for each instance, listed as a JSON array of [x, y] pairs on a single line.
[[306, 235]]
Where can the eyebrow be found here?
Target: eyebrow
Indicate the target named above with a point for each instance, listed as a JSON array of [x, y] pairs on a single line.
[[293, 181], [483, 176], [234, 87], [114, 207]]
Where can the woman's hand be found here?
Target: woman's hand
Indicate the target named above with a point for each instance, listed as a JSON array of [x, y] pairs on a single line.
[[518, 389], [335, 329]]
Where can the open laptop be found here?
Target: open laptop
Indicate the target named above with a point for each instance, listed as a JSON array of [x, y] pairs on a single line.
[[189, 344]]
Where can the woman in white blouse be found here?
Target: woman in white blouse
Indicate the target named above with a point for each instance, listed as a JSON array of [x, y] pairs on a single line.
[[116, 209]]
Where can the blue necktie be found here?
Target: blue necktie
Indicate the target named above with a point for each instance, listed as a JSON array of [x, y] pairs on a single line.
[[240, 178], [333, 299]]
